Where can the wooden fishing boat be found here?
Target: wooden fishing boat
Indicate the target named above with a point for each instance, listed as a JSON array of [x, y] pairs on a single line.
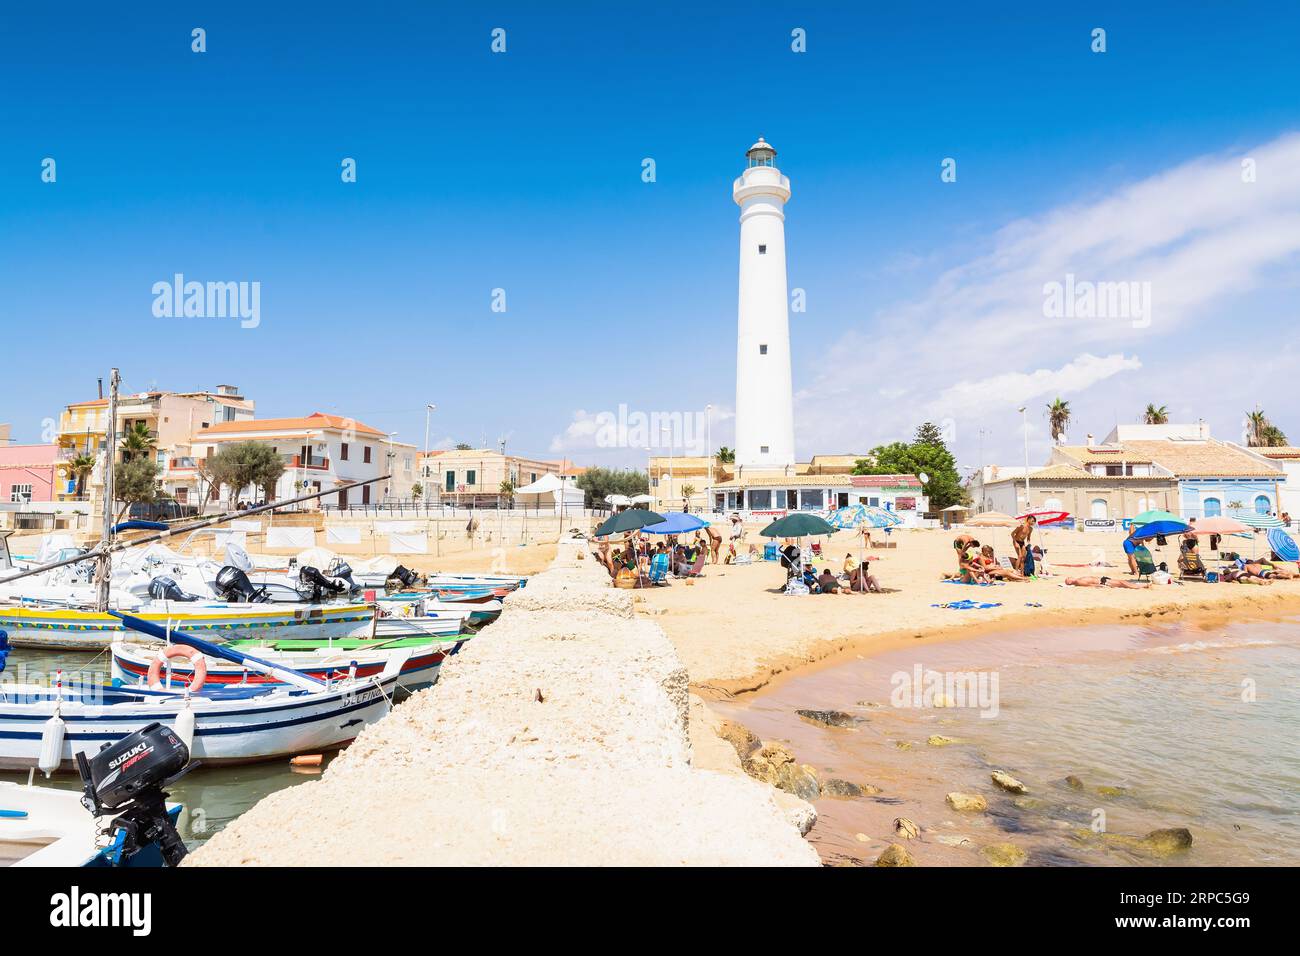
[[61, 627]]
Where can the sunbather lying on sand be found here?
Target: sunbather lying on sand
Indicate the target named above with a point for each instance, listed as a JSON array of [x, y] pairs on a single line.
[[1267, 569], [989, 563], [1105, 582], [1243, 575]]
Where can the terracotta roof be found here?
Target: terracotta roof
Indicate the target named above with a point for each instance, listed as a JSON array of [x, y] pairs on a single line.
[[93, 401], [1061, 472], [315, 420], [1109, 454], [1207, 459], [1283, 451]]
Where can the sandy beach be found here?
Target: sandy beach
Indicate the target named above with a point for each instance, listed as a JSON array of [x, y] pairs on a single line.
[[735, 631]]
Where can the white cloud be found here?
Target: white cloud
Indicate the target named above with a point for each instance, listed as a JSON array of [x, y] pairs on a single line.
[[977, 344]]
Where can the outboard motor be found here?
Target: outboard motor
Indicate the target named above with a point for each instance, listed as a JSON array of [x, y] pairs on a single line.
[[125, 781], [163, 588], [342, 571], [233, 585], [313, 585], [400, 579]]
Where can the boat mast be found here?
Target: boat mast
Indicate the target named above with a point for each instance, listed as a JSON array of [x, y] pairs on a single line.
[[105, 563]]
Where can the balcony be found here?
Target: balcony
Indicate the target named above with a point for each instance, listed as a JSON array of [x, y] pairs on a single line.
[[313, 463]]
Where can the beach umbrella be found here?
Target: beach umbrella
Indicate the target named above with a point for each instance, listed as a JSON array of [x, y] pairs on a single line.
[[633, 519], [1216, 524], [1152, 529], [1258, 521], [992, 519], [797, 525], [1283, 545], [858, 516], [677, 522], [618, 501], [1149, 517], [1048, 516]]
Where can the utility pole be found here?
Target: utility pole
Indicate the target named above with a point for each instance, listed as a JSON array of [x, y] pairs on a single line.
[[104, 568]]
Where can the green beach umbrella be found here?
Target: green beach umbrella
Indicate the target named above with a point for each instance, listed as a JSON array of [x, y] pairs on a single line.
[[797, 525], [1150, 517], [631, 520]]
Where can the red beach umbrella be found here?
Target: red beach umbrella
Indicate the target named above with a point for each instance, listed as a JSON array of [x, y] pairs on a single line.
[[1044, 517]]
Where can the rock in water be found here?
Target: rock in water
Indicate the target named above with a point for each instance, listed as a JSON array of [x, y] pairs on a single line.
[[740, 737], [895, 855], [1008, 782], [1073, 782], [1004, 854], [1166, 842], [906, 828], [972, 802], [829, 718], [846, 788], [1111, 791], [939, 740]]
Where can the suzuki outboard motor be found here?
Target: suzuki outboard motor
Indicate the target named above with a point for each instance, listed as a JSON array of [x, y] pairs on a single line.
[[400, 579], [313, 585], [125, 782], [163, 588], [342, 571], [233, 585]]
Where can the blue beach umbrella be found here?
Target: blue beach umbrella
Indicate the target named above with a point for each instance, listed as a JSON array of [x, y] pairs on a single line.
[[1162, 527], [676, 522], [1283, 545], [857, 516]]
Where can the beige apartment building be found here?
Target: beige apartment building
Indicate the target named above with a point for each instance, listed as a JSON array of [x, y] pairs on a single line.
[[472, 477]]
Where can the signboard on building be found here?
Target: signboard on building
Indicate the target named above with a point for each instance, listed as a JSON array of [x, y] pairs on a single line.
[[1100, 524], [904, 504]]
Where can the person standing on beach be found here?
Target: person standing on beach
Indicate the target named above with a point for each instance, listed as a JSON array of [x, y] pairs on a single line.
[[1130, 548], [1020, 538]]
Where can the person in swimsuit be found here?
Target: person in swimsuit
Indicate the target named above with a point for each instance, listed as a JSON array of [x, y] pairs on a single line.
[[1020, 538], [1105, 582], [989, 562], [1241, 576]]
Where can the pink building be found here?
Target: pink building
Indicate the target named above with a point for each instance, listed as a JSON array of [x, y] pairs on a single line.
[[27, 472]]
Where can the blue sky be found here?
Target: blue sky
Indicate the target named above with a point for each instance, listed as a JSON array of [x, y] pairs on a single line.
[[522, 171]]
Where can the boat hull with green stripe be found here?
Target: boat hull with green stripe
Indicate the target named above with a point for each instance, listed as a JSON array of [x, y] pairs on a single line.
[[79, 629]]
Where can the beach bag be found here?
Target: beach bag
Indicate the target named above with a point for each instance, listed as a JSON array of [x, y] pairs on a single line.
[[625, 578]]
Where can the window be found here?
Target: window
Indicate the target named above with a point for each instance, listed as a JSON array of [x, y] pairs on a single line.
[[1212, 507], [810, 499], [20, 494], [365, 454], [762, 249], [343, 451], [1262, 505], [762, 449], [1100, 509], [449, 482], [365, 494], [471, 478], [760, 501], [762, 350], [532, 477]]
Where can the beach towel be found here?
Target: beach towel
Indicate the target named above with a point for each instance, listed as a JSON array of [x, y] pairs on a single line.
[[966, 605], [975, 584]]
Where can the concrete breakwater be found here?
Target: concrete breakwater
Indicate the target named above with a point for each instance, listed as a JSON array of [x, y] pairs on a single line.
[[560, 737]]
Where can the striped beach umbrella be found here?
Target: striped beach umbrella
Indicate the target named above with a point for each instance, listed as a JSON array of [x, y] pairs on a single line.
[[858, 516], [1283, 545], [1258, 521]]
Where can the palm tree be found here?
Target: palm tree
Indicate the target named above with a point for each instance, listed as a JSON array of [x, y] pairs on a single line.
[[726, 455], [1156, 416], [80, 468], [687, 491], [137, 440], [1257, 426], [1058, 416]]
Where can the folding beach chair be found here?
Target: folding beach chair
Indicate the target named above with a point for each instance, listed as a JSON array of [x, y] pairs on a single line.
[[659, 568], [1190, 565], [1146, 565]]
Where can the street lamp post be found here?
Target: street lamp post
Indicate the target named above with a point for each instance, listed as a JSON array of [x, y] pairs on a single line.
[[388, 485], [1024, 430], [708, 450]]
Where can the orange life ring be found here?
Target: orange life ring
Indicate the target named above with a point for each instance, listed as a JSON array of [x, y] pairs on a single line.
[[177, 650]]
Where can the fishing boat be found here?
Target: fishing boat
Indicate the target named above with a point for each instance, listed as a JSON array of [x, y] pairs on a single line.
[[321, 659], [44, 826], [64, 627], [408, 604], [46, 727]]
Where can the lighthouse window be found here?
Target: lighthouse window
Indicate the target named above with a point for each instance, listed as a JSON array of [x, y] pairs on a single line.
[[762, 449], [762, 350], [762, 249]]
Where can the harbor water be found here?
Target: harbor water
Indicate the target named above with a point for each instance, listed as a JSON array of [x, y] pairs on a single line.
[[1115, 731]]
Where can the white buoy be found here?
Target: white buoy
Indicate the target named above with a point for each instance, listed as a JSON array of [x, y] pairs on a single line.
[[185, 726], [51, 745]]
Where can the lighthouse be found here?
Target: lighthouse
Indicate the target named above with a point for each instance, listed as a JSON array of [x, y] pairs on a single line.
[[764, 396]]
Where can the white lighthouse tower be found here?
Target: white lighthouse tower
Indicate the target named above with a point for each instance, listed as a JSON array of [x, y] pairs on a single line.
[[764, 397]]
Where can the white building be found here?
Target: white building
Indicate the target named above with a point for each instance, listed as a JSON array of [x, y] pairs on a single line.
[[764, 395], [321, 453]]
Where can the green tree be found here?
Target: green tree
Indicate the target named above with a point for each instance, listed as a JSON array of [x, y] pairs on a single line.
[[599, 483], [463, 446], [507, 491], [417, 491], [1261, 433], [927, 454], [1156, 416], [1058, 418], [687, 491], [726, 455], [245, 464], [134, 482], [80, 469], [137, 441]]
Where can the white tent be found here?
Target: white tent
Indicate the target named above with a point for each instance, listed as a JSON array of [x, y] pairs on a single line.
[[564, 497], [641, 499], [544, 484], [618, 501]]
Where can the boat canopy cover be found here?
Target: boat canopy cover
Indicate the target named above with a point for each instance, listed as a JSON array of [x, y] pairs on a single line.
[[140, 526]]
